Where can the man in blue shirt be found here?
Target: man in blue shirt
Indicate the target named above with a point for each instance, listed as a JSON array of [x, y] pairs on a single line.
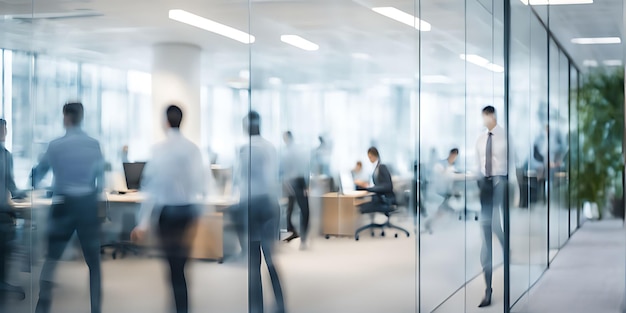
[[77, 166]]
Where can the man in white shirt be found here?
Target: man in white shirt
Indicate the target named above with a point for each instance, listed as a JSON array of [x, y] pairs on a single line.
[[174, 184], [443, 184], [258, 210], [491, 152]]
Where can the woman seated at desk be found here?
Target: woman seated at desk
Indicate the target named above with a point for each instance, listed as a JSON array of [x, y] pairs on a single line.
[[383, 186]]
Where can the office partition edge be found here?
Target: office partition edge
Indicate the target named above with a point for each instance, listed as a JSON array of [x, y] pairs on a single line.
[[506, 214]]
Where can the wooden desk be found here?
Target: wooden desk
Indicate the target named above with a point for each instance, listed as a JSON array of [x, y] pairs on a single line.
[[340, 213], [207, 243]]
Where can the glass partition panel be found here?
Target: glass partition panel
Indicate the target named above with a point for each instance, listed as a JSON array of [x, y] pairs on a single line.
[[572, 153], [333, 83], [560, 148], [537, 152], [553, 180], [521, 58], [443, 152]]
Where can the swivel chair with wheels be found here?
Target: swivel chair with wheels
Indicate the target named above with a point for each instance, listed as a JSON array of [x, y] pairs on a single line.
[[123, 245], [388, 210]]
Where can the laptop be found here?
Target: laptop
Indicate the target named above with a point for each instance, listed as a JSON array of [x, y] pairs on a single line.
[[347, 185]]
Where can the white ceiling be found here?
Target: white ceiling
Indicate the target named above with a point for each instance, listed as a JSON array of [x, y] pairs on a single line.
[[124, 32]]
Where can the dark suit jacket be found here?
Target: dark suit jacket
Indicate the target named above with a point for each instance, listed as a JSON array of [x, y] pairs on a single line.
[[383, 186], [7, 183]]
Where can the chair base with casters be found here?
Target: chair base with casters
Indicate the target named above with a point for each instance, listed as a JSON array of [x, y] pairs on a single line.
[[123, 245], [382, 227], [121, 248]]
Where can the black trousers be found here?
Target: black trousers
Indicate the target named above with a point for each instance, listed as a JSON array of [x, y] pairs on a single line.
[[174, 225], [259, 216], [298, 192], [80, 215], [492, 199], [7, 233]]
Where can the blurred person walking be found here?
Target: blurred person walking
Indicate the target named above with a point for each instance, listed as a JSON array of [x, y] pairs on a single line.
[[294, 171], [491, 150], [77, 164], [174, 183], [258, 210]]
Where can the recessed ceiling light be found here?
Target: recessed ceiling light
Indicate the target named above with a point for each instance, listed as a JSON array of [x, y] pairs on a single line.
[[403, 17], [556, 2], [299, 42], [590, 63], [597, 41], [209, 25], [612, 62]]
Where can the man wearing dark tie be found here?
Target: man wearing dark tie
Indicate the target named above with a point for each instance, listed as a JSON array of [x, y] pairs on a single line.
[[491, 152], [77, 164], [7, 222]]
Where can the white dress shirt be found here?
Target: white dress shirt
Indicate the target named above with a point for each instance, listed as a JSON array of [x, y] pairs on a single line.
[[258, 169], [174, 176], [294, 163], [498, 153], [443, 178]]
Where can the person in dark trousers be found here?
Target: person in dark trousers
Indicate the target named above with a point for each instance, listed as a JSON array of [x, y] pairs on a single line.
[[294, 171], [491, 152], [7, 214], [383, 186], [78, 168], [174, 183], [258, 210]]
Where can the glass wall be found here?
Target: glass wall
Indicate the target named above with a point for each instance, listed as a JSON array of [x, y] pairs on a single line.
[[374, 122]]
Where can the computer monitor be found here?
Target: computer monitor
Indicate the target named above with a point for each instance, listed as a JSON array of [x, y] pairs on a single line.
[[347, 182], [133, 172]]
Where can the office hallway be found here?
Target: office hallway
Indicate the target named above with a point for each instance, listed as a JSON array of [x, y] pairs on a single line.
[[586, 276]]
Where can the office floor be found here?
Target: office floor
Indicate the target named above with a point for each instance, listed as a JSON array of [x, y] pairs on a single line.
[[336, 275], [587, 275]]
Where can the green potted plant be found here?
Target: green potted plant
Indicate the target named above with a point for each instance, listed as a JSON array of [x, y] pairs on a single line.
[[601, 129]]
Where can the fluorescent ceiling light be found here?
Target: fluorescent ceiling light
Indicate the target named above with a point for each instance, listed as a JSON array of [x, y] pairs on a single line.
[[472, 58], [597, 41], [244, 74], [612, 62], [212, 26], [275, 81], [556, 2], [435, 79], [361, 56], [299, 42], [482, 62], [403, 17], [495, 68], [590, 63]]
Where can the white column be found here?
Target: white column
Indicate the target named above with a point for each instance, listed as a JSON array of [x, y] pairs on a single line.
[[176, 79]]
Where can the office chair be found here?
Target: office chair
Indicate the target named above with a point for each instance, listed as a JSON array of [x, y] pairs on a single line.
[[388, 209], [123, 245]]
